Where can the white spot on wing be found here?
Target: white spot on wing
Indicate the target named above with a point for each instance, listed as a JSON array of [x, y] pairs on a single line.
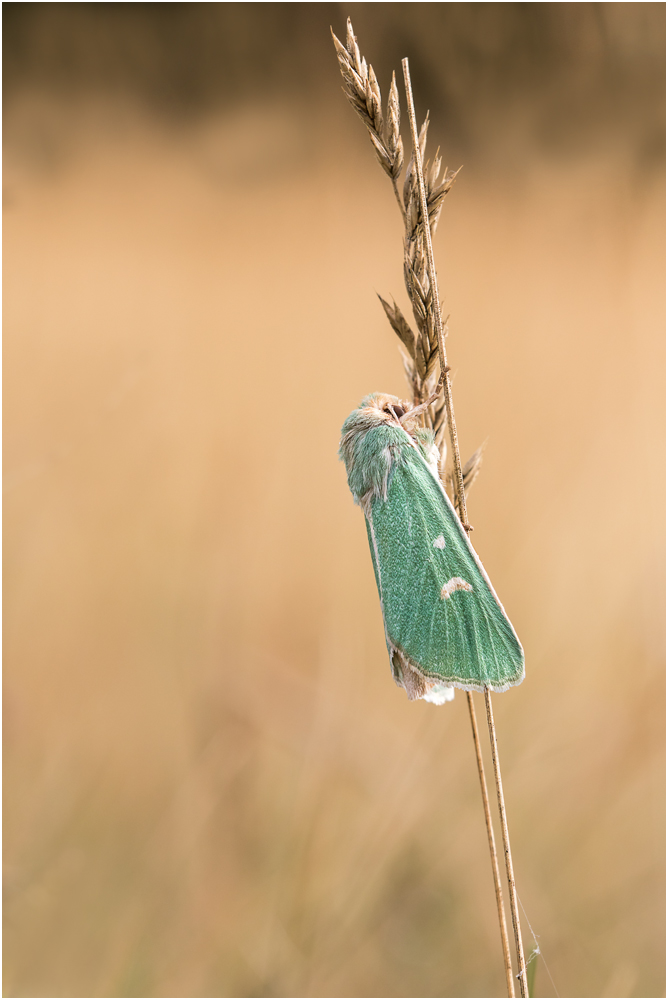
[[456, 583], [439, 543]]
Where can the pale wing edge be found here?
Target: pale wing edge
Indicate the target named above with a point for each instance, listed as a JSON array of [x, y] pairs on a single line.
[[455, 680]]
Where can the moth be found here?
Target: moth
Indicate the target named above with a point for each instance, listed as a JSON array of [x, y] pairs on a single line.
[[444, 625]]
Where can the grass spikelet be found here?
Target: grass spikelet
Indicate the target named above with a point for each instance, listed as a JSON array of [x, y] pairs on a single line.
[[420, 348], [361, 88]]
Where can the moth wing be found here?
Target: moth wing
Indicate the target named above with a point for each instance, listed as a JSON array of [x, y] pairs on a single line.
[[439, 607]]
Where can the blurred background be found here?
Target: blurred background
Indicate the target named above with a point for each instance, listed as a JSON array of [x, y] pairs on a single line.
[[212, 785]]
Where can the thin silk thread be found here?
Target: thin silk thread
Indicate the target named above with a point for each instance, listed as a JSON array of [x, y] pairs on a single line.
[[537, 950]]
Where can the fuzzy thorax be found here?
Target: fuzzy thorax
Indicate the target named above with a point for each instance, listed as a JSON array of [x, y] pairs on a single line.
[[374, 443]]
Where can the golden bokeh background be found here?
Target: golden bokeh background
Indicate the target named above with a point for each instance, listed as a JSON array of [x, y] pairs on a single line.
[[212, 786]]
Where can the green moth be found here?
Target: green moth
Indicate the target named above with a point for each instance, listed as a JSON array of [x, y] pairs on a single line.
[[444, 625]]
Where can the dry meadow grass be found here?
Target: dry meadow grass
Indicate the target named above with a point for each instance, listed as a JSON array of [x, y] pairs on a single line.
[[212, 786]]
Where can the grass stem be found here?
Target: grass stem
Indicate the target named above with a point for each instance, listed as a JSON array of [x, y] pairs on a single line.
[[423, 353], [510, 982], [461, 498], [514, 910], [395, 187]]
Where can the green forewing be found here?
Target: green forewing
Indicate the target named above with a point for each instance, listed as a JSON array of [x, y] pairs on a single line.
[[464, 638]]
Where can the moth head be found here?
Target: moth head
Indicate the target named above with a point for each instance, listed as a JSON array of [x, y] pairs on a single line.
[[382, 408], [373, 440]]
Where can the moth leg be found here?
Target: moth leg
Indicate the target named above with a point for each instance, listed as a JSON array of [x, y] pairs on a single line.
[[434, 396]]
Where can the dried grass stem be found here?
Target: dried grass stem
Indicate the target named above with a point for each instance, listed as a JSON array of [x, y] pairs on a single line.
[[461, 497], [425, 361], [505, 944], [514, 910]]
